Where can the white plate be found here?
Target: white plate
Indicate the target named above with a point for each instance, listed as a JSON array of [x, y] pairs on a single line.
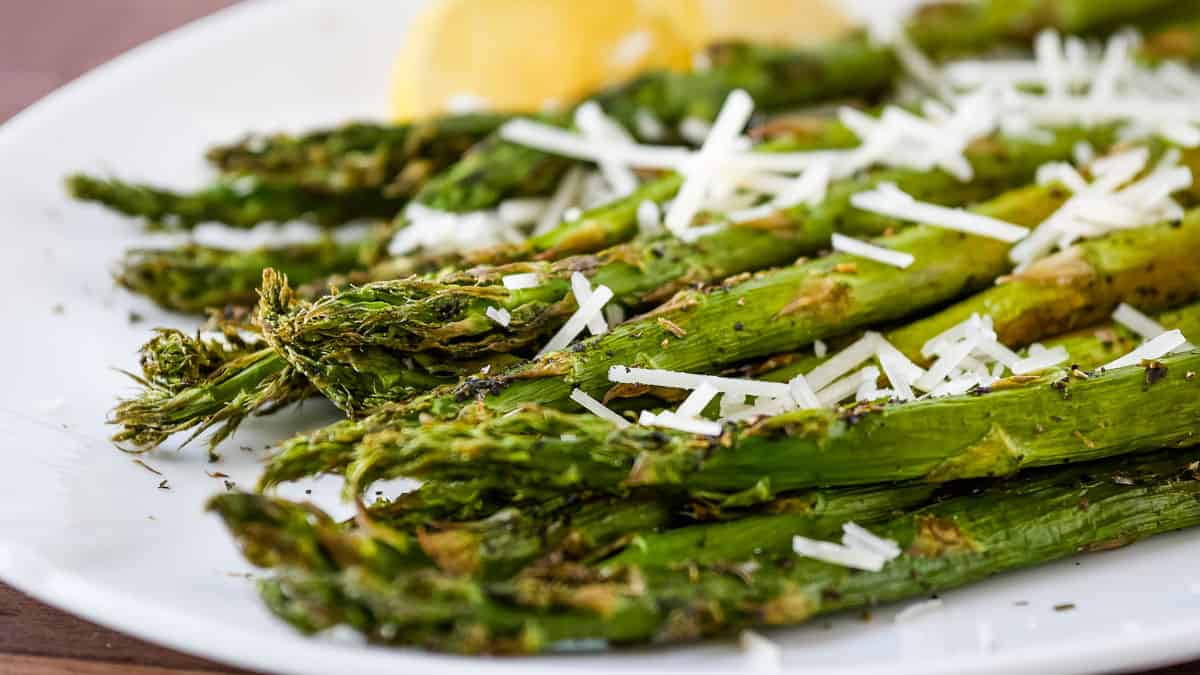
[[86, 529]]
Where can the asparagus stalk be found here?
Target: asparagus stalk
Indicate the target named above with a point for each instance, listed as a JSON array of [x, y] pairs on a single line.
[[641, 272], [542, 533], [1079, 286], [276, 533], [1093, 347], [497, 169], [790, 306], [437, 502], [778, 79], [220, 396], [233, 204], [1025, 309], [392, 159], [1023, 421], [950, 544], [768, 531], [194, 277], [448, 315], [173, 361], [257, 382]]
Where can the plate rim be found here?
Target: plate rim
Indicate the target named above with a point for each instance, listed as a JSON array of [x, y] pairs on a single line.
[[225, 643]]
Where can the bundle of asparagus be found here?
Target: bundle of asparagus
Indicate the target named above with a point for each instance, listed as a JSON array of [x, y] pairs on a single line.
[[706, 580], [369, 171], [1016, 384]]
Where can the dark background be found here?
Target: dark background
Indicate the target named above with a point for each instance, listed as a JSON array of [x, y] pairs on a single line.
[[44, 44]]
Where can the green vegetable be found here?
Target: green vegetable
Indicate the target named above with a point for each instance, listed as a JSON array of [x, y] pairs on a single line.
[[1039, 518], [239, 204], [390, 158], [777, 79], [193, 277], [770, 313], [447, 315], [1023, 421], [333, 339]]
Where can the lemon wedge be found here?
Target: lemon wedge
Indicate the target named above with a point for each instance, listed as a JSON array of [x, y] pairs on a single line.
[[529, 55]]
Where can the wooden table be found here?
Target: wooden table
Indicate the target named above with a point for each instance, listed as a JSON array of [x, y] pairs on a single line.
[[43, 44]]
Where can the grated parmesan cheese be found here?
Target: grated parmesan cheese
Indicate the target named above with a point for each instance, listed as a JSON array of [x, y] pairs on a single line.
[[857, 536], [691, 425], [648, 126], [499, 315], [597, 408], [566, 194], [551, 139], [582, 289], [847, 386], [836, 554], [888, 200], [521, 211], [1153, 349], [695, 403], [844, 361], [900, 380], [867, 391], [1041, 360], [694, 130], [649, 217], [1144, 326], [597, 126], [517, 282], [802, 393], [677, 380], [578, 321], [703, 167], [879, 254]]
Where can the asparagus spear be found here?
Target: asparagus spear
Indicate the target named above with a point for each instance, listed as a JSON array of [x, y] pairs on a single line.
[[640, 272], [173, 361], [1025, 309], [722, 326], [497, 169], [276, 533], [543, 533], [392, 159], [244, 382], [222, 277], [1093, 347], [257, 382], [959, 541], [448, 315], [1019, 299], [1023, 421], [1077, 287], [234, 204], [453, 502], [194, 277], [778, 79]]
